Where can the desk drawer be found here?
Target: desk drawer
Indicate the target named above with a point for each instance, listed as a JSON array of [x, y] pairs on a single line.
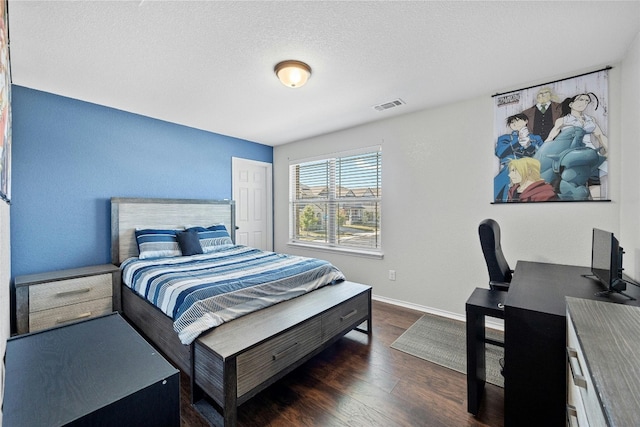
[[70, 291], [57, 316], [262, 362], [343, 317]]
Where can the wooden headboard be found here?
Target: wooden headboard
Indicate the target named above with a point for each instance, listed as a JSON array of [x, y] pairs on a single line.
[[127, 214]]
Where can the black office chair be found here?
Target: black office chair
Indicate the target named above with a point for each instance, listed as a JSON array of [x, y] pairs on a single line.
[[499, 271]]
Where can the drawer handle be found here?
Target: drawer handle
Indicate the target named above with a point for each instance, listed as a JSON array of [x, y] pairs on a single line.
[[78, 317], [572, 416], [576, 369], [278, 355], [75, 291], [348, 315]]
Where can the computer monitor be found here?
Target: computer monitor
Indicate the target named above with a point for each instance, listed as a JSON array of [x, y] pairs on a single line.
[[606, 261]]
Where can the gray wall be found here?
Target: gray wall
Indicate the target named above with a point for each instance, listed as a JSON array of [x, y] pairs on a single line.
[[437, 187], [630, 185]]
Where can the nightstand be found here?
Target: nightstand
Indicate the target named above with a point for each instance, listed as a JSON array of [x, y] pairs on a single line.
[[51, 299]]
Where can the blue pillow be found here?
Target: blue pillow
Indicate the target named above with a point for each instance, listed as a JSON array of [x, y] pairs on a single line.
[[213, 238], [189, 242], [157, 243]]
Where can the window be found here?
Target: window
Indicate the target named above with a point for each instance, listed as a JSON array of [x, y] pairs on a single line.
[[335, 202]]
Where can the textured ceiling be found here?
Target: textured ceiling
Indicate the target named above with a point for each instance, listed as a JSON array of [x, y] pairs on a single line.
[[209, 65]]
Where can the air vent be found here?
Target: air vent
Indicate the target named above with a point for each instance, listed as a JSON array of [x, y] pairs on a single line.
[[391, 104]]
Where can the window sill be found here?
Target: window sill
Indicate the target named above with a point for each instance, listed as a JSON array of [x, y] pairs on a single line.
[[341, 251]]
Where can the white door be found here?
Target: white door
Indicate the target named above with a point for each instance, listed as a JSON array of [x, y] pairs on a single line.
[[252, 192]]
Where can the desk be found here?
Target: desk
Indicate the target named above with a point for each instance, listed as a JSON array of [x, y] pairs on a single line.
[[481, 303], [95, 372], [535, 339]]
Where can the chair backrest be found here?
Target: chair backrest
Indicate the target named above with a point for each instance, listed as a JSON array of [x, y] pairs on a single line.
[[497, 265]]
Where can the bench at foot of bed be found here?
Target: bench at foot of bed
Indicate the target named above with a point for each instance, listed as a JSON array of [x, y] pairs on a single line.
[[236, 360]]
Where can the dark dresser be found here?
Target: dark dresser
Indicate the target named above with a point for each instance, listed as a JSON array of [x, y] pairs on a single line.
[[95, 372]]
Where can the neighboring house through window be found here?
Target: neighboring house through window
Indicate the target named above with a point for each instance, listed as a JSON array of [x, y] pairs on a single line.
[[335, 202]]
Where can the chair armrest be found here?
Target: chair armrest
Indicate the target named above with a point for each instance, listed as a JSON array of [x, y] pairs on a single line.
[[499, 286]]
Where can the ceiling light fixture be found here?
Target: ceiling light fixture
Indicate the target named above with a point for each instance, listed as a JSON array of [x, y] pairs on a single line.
[[292, 73]]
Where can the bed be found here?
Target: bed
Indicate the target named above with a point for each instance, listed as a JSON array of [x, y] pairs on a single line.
[[239, 357]]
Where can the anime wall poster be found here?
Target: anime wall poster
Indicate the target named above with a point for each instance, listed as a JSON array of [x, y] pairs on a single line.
[[550, 141]]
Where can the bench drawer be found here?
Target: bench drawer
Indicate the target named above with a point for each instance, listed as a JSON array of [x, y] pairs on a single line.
[[267, 359], [345, 316]]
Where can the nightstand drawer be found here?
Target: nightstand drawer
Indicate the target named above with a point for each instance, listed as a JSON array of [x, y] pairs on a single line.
[[264, 361], [57, 316], [67, 292]]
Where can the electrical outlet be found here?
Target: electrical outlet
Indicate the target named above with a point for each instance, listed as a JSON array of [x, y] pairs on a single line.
[[392, 275]]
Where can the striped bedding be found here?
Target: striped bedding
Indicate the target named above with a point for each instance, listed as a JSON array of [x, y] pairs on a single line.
[[200, 292]]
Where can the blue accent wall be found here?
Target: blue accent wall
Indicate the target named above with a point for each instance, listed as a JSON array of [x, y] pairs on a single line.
[[70, 157]]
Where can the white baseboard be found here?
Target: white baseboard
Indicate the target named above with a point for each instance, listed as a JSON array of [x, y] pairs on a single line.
[[490, 322]]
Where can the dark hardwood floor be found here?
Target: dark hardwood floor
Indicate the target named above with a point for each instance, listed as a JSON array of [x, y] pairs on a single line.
[[362, 381]]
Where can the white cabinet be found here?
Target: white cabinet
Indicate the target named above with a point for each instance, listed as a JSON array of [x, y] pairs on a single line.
[[583, 407], [603, 370]]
